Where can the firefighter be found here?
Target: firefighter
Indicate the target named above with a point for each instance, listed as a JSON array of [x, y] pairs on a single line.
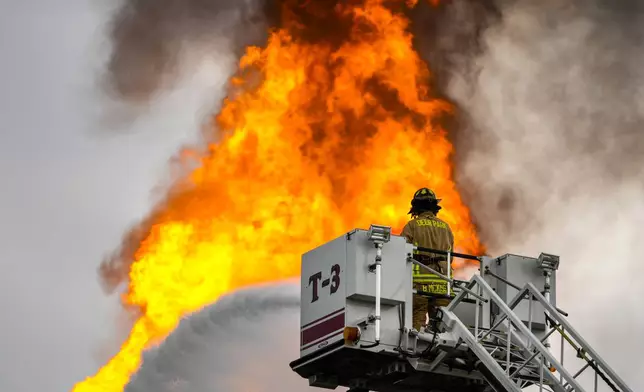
[[425, 230]]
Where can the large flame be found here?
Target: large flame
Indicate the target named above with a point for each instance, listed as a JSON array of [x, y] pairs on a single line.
[[320, 133]]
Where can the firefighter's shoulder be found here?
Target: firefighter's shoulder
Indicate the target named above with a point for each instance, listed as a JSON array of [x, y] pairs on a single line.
[[406, 230]]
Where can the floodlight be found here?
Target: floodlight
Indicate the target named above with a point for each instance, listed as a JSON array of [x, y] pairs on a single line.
[[548, 262], [379, 234]]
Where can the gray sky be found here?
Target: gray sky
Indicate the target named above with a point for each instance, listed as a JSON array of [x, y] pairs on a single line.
[[71, 191]]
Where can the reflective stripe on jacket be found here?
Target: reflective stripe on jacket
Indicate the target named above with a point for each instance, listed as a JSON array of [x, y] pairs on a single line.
[[427, 231]]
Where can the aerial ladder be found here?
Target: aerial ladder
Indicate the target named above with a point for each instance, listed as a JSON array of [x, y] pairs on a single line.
[[491, 333]]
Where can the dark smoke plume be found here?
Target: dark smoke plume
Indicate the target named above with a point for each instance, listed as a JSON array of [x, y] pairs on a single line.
[[149, 36]]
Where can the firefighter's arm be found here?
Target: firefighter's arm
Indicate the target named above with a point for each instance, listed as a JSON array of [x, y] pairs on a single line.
[[451, 240], [407, 233]]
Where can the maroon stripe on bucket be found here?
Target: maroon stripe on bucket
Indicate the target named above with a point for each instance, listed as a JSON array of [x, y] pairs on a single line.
[[327, 327]]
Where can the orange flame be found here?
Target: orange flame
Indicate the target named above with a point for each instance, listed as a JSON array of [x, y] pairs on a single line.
[[317, 136]]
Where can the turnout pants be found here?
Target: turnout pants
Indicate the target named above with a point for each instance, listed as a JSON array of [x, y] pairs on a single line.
[[421, 304]]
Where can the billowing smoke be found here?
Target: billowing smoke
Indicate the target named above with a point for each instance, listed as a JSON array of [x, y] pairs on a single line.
[[559, 87], [243, 342], [551, 155], [151, 38]]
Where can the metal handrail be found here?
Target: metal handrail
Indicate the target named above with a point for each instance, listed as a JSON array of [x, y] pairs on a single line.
[[522, 328], [541, 353], [570, 331], [568, 382]]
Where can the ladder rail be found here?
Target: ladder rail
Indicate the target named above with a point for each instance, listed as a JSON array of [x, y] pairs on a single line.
[[509, 314], [581, 354], [540, 370], [529, 291], [555, 385], [459, 329], [572, 332], [508, 310]]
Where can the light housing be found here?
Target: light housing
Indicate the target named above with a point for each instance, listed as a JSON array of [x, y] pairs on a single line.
[[548, 262], [351, 335], [379, 234]]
